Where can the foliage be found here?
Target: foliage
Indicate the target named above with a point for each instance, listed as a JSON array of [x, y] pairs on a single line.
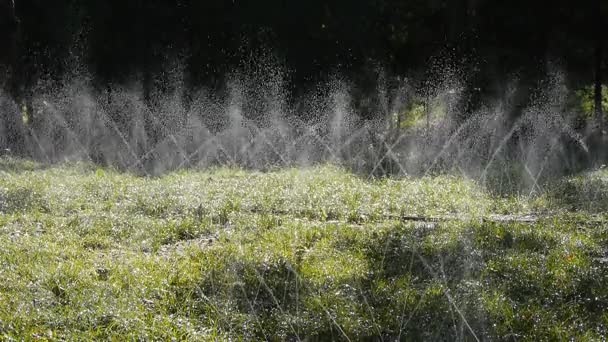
[[312, 37], [585, 97]]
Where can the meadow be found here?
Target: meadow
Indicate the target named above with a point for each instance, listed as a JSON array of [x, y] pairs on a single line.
[[314, 253]]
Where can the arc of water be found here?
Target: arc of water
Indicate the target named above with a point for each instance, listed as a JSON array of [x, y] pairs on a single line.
[[182, 150], [394, 158], [273, 148], [122, 138], [333, 320], [389, 153], [403, 322], [350, 139], [572, 133], [534, 180], [276, 302], [64, 125], [260, 133], [231, 157], [198, 150], [554, 143], [35, 137], [449, 297], [501, 145], [451, 140], [168, 136], [257, 319], [311, 133]]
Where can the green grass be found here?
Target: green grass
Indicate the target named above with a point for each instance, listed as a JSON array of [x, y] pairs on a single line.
[[315, 253]]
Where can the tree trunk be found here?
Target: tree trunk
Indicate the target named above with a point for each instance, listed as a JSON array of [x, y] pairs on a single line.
[[8, 32], [599, 113], [11, 121]]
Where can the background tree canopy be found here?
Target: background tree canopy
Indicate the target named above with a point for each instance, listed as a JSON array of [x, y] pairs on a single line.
[[312, 37], [312, 40]]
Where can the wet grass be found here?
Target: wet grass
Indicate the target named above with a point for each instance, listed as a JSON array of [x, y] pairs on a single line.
[[317, 254]]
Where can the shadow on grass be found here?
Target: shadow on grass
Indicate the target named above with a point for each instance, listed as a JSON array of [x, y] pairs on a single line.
[[586, 191]]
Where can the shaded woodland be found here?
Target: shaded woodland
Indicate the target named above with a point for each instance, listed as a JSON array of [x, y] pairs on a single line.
[[490, 42]]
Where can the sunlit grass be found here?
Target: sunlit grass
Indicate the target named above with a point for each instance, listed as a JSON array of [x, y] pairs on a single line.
[[318, 253]]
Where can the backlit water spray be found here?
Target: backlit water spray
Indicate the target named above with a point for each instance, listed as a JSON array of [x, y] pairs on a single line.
[[255, 123]]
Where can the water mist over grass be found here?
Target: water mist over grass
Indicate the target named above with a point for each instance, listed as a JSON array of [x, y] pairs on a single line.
[[255, 123], [247, 233], [302, 253], [302, 193]]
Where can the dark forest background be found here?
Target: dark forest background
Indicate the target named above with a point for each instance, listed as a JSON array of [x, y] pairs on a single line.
[[492, 41], [313, 37]]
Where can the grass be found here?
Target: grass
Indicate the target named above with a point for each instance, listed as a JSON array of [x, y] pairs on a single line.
[[317, 254]]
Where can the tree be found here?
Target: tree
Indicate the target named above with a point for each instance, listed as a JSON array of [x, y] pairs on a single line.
[[598, 67], [8, 32], [11, 128]]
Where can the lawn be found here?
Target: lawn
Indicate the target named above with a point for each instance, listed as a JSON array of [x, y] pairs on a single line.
[[297, 254]]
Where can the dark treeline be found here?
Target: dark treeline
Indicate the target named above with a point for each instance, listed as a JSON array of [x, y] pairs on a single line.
[[313, 37], [117, 39]]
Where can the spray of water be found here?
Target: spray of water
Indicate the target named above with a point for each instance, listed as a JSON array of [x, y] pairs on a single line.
[[255, 123]]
